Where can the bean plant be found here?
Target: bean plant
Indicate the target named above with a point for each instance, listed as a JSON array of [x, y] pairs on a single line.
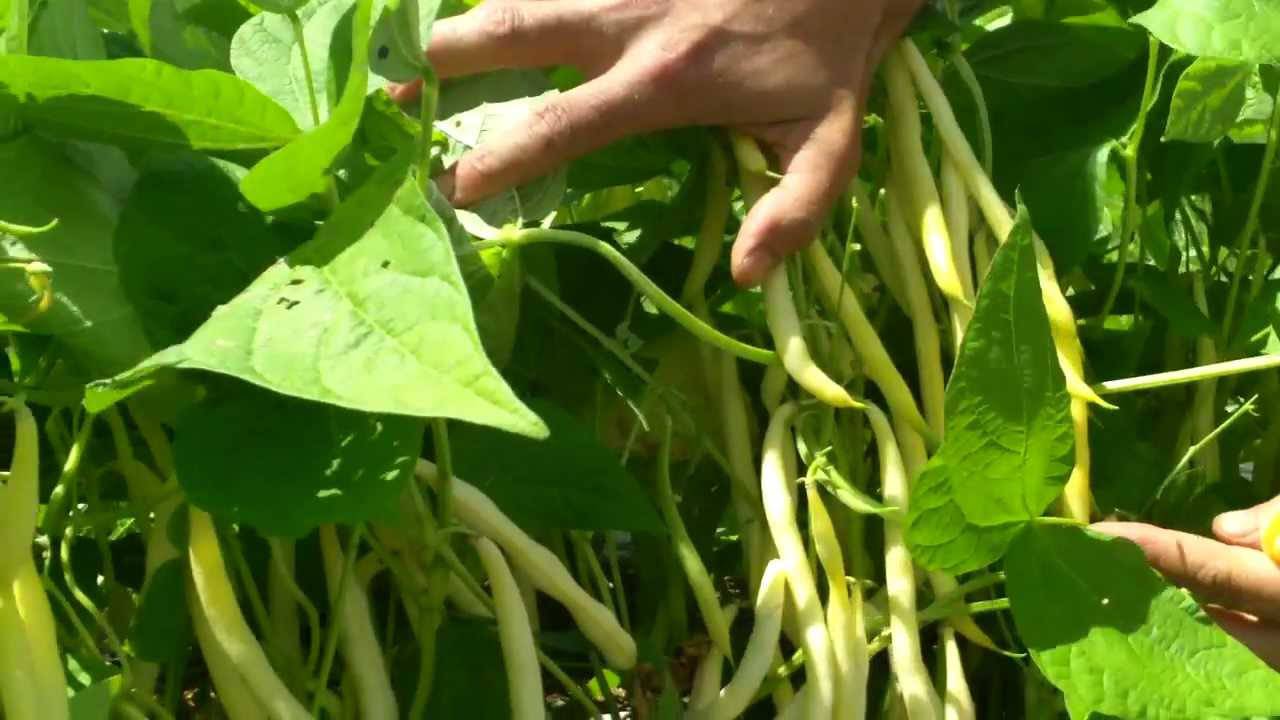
[[294, 438]]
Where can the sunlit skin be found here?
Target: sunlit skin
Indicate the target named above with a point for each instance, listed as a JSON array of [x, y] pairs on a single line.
[[1238, 585], [792, 74]]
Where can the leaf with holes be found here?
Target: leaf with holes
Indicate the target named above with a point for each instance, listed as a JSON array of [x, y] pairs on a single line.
[[371, 315]]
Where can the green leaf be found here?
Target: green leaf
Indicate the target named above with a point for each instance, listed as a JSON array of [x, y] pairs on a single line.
[[398, 42], [95, 701], [1036, 52], [1111, 634], [1207, 100], [477, 108], [266, 53], [568, 480], [1241, 30], [473, 683], [1174, 302], [186, 242], [1007, 445], [90, 314], [161, 628], [1254, 120], [63, 29], [498, 313], [1066, 194], [145, 102], [311, 463], [139, 14], [300, 169], [193, 34], [371, 314], [282, 7]]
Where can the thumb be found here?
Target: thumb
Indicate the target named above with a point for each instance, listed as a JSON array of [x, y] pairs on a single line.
[[1226, 575], [1244, 527], [788, 216]]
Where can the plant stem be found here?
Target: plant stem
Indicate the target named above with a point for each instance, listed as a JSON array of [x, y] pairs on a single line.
[[512, 237], [1131, 153], [610, 344], [1195, 449], [1189, 375], [299, 36], [444, 477], [1244, 239], [437, 568], [426, 118], [335, 627]]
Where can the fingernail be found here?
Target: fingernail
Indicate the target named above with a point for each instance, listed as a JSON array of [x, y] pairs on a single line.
[[753, 266], [1237, 524]]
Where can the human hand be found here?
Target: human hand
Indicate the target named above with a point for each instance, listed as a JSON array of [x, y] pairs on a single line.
[[1236, 583], [793, 74]]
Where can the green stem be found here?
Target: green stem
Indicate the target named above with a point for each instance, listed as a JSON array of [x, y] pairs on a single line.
[[1131, 154], [308, 608], [444, 473], [1189, 375], [613, 346], [615, 573], [512, 237], [16, 29], [1195, 449], [256, 604], [300, 37], [438, 570], [335, 627], [1244, 239], [430, 99]]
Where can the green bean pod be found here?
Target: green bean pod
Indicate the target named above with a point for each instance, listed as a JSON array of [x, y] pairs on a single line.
[[519, 653], [477, 512], [695, 572], [841, 301], [777, 482], [758, 656], [377, 700], [227, 625], [921, 194]]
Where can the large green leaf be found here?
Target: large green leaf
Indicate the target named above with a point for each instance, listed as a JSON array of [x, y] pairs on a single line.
[[1207, 100], [568, 480], [90, 314], [371, 314], [1066, 194], [301, 169], [1007, 447], [472, 684], [265, 52], [192, 34], [1036, 52], [1242, 30], [137, 101], [1117, 639], [64, 29], [286, 466], [186, 243]]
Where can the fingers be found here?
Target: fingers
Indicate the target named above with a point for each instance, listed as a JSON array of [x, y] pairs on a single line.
[[510, 34], [788, 217], [1226, 575], [560, 129], [1244, 527], [1261, 637]]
